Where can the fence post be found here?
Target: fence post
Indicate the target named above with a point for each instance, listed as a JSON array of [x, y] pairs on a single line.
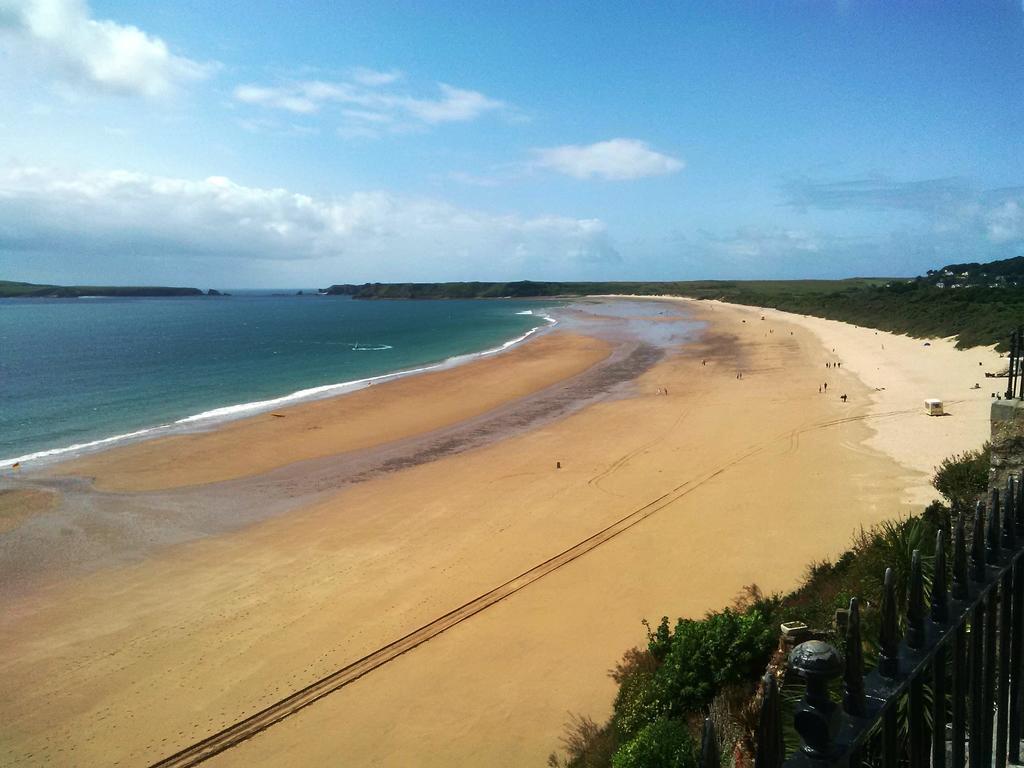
[[888, 640], [709, 757], [1020, 344], [889, 666], [817, 717], [976, 651], [915, 641], [978, 543], [959, 647], [991, 615], [959, 560], [853, 674], [770, 749], [1017, 631], [1011, 372], [940, 616], [992, 549]]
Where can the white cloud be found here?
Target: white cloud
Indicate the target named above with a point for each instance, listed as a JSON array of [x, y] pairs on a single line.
[[365, 235], [367, 98], [292, 101], [455, 105], [616, 159], [374, 77], [61, 37]]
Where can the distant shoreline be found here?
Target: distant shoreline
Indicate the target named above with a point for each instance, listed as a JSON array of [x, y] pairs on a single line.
[[14, 290]]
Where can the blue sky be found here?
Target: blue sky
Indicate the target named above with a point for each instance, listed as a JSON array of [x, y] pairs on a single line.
[[274, 144]]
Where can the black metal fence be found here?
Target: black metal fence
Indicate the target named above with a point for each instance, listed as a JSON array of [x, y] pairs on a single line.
[[947, 689], [1014, 379]]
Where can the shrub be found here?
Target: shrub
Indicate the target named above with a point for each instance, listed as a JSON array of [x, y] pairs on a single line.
[[697, 659], [665, 743], [962, 478], [586, 744]]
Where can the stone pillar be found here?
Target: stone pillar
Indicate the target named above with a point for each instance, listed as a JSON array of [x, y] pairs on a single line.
[[1007, 441]]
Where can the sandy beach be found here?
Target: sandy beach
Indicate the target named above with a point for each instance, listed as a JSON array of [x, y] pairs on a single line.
[[360, 519]]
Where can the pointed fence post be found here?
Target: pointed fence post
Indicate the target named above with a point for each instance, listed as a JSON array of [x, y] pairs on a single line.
[[978, 543], [992, 549], [1003, 679], [959, 560], [889, 639], [1018, 507], [915, 641], [709, 757], [959, 647], [940, 597], [940, 615], [889, 667], [991, 615], [1017, 640], [770, 749], [1011, 372], [853, 674], [1009, 540], [915, 604]]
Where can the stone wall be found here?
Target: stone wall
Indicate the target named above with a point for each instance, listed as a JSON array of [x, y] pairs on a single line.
[[1007, 441]]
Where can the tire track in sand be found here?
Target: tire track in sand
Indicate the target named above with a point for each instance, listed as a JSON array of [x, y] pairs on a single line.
[[243, 730]]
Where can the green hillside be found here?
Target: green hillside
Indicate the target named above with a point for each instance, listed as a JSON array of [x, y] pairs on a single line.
[[982, 309], [12, 290]]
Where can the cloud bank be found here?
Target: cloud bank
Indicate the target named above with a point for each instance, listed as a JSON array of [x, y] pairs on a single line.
[[950, 207], [616, 159], [361, 236], [61, 37]]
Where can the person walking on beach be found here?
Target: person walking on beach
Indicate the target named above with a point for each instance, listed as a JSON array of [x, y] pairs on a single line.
[[826, 386], [843, 397]]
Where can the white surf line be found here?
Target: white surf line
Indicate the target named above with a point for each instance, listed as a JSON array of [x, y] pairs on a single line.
[[231, 412]]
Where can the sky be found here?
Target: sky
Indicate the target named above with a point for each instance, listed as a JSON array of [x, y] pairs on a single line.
[[270, 144]]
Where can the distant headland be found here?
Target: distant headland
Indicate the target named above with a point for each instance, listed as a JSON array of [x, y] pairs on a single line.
[[978, 303], [12, 290]]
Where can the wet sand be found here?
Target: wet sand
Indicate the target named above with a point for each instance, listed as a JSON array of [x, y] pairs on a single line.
[[745, 479], [364, 419]]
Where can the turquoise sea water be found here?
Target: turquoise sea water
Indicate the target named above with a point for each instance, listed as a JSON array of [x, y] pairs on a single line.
[[75, 371]]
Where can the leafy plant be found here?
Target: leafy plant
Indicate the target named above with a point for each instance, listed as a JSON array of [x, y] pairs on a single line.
[[664, 743], [962, 478]]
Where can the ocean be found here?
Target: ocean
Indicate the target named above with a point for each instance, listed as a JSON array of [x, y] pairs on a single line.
[[78, 374]]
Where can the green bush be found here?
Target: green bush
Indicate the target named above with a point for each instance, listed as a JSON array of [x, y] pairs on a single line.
[[636, 704], [664, 743], [697, 659], [961, 479]]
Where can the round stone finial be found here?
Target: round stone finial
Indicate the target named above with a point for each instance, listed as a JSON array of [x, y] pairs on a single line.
[[815, 659]]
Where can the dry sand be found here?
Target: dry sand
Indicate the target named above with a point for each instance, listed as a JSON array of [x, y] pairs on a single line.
[[757, 476], [901, 372]]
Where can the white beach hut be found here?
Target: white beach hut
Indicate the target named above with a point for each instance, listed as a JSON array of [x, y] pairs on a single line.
[[933, 407]]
